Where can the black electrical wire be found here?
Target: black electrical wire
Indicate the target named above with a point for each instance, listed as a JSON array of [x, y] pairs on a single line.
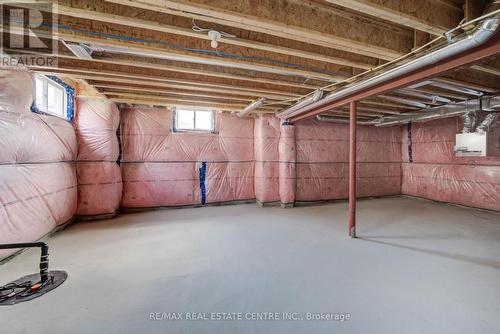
[[22, 290], [34, 285]]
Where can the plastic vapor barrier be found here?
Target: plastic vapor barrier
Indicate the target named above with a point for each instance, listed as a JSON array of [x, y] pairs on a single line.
[[41, 185], [38, 187], [165, 168], [323, 161], [266, 139], [99, 176], [436, 173], [17, 90], [99, 187], [287, 166]]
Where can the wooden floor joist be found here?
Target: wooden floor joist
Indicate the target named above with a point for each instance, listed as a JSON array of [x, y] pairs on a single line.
[[343, 111], [179, 69], [424, 15], [130, 84], [219, 15], [386, 104], [483, 52], [345, 114], [487, 69], [191, 103], [442, 93], [159, 50], [211, 100], [379, 110], [107, 88], [214, 73], [136, 48], [187, 98], [132, 64], [170, 29], [150, 81], [470, 85]]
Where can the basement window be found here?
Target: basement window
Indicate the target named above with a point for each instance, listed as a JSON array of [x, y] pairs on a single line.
[[194, 120], [50, 97]]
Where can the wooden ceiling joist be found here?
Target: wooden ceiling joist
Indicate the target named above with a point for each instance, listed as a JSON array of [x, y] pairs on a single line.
[[216, 72], [441, 92], [487, 69], [357, 37], [164, 53], [109, 88], [103, 82], [379, 110], [361, 113], [171, 29], [179, 103], [345, 114], [154, 81], [386, 104], [152, 54], [470, 85], [186, 99], [480, 53], [424, 15]]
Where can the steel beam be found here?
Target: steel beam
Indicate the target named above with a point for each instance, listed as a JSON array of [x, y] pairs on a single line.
[[489, 49], [352, 169]]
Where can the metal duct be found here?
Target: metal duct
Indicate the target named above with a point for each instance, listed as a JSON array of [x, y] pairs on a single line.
[[80, 50], [432, 98], [469, 119], [289, 112], [252, 106], [486, 123], [323, 118], [479, 36], [449, 110], [455, 88], [404, 101]]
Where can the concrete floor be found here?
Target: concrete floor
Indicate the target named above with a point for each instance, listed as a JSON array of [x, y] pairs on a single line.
[[419, 267]]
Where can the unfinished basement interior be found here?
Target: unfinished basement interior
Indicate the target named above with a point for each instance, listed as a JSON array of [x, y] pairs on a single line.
[[250, 166]]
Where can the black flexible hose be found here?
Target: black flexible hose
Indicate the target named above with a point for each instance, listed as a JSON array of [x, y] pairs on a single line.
[[25, 288], [44, 256]]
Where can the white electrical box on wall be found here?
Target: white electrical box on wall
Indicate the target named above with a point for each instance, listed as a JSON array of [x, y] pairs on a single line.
[[478, 144]]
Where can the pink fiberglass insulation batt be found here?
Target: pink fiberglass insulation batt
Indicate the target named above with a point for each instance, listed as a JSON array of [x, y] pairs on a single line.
[[266, 139], [287, 165], [99, 176], [17, 90], [323, 161], [38, 188], [99, 187], [436, 173], [164, 168]]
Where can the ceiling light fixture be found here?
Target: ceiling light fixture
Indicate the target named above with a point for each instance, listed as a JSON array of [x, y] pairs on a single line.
[[215, 37]]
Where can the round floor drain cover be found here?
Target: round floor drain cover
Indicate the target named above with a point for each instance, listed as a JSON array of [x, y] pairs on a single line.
[[28, 287]]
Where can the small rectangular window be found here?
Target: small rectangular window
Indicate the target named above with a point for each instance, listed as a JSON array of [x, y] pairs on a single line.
[[194, 120], [50, 97]]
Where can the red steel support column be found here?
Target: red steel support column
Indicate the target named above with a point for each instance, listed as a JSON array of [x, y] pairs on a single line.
[[352, 170]]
